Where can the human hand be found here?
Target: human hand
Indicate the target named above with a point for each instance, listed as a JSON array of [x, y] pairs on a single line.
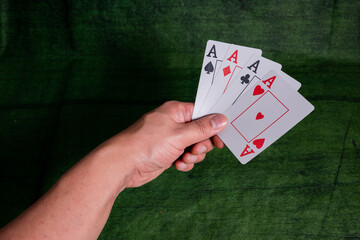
[[81, 201], [161, 138]]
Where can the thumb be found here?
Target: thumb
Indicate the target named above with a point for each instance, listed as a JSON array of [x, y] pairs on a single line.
[[203, 128]]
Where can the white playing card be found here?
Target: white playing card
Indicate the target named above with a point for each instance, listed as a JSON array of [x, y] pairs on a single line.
[[262, 115], [214, 54], [254, 70], [234, 61], [293, 83]]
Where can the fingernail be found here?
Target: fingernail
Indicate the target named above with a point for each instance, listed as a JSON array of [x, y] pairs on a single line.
[[203, 149], [193, 158], [182, 165], [218, 121]]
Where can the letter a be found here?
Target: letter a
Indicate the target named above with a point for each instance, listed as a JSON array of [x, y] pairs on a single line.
[[270, 81], [254, 65], [246, 151], [234, 55], [212, 51]]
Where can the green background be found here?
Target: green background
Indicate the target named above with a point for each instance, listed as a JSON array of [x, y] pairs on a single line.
[[74, 73]]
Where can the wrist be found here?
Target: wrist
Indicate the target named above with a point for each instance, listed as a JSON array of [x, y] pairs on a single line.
[[114, 160]]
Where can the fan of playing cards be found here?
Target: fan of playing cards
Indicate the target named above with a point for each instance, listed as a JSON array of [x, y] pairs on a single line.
[[260, 101]]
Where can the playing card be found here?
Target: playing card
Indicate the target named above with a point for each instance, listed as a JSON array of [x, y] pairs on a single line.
[[213, 57], [235, 58], [291, 81], [262, 115], [254, 70]]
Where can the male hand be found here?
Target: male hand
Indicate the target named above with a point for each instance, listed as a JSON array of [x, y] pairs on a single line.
[[79, 204], [161, 138]]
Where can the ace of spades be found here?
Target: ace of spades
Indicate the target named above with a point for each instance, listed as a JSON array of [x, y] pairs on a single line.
[[213, 57]]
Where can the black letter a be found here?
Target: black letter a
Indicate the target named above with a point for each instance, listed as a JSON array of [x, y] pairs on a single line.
[[254, 65], [212, 51]]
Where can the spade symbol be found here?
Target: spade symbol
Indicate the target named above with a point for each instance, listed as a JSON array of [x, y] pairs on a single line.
[[209, 68], [245, 79]]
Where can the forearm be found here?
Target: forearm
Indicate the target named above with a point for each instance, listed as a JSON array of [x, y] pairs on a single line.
[[79, 204]]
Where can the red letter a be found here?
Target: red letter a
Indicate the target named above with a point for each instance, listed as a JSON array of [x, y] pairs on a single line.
[[246, 151], [234, 55], [270, 81]]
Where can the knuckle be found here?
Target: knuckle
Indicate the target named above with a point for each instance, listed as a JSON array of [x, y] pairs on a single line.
[[152, 118], [170, 107], [171, 104], [201, 158], [210, 148], [148, 117]]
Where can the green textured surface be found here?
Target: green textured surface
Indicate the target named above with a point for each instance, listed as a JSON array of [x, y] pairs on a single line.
[[74, 73]]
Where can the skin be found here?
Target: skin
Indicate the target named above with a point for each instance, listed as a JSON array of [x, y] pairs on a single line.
[[79, 204]]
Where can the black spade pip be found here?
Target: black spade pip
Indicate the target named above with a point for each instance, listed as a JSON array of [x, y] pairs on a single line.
[[209, 68]]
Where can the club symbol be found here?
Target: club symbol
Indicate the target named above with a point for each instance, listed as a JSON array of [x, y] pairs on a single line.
[[245, 79]]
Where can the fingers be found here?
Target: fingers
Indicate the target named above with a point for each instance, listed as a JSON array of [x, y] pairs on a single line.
[[197, 153], [218, 142], [186, 163], [193, 131], [197, 132], [201, 129], [181, 166], [189, 158], [181, 112], [202, 147]]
